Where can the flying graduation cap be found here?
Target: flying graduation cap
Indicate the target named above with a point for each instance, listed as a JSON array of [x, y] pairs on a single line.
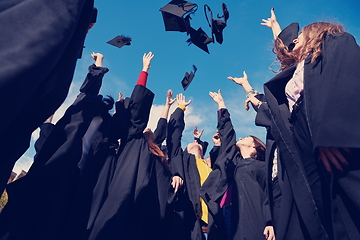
[[120, 41], [174, 15], [288, 34], [217, 25], [199, 38], [188, 78]]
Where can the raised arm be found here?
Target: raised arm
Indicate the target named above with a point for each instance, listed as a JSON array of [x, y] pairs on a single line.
[[272, 23], [197, 136], [147, 57], [250, 91], [98, 57], [169, 101], [92, 83], [160, 131], [176, 126]]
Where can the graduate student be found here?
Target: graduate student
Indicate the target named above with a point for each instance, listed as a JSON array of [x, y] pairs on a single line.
[[39, 46], [240, 163], [316, 86], [285, 217], [67, 162], [191, 209], [136, 205]]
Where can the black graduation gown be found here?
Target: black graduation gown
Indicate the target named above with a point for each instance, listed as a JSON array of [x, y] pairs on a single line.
[[40, 203], [188, 208], [285, 216], [250, 211], [136, 204], [40, 43], [330, 85]]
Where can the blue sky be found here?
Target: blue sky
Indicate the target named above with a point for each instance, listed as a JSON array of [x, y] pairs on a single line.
[[246, 46]]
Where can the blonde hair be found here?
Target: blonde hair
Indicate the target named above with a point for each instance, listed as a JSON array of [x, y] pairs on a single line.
[[313, 35]]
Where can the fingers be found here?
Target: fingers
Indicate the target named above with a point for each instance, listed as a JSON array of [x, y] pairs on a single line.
[[149, 56], [120, 96], [245, 75], [246, 104], [177, 183], [332, 156], [339, 156], [266, 232], [324, 160], [272, 13]]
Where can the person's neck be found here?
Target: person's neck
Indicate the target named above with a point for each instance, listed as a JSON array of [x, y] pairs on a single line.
[[247, 152]]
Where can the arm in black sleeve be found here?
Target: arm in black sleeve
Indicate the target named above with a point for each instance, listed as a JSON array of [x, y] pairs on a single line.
[[92, 83], [176, 126], [160, 131], [214, 153]]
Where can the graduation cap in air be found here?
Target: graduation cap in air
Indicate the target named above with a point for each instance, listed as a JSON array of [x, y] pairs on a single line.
[[174, 15], [199, 38], [188, 78], [120, 41], [217, 25], [288, 34]]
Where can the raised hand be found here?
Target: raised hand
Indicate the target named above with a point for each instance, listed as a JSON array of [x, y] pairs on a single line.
[[216, 139], [271, 21], [169, 99], [120, 98], [98, 58], [216, 96], [180, 98], [147, 60], [241, 81], [197, 133]]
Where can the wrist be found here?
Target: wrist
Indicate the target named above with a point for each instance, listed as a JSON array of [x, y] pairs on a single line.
[[221, 105], [182, 107], [252, 92]]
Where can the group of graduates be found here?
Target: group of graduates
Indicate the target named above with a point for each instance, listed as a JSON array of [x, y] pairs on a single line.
[[101, 176]]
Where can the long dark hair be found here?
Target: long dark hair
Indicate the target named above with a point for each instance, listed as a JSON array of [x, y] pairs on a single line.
[[260, 149]]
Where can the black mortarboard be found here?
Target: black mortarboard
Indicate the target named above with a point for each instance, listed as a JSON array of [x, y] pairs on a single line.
[[120, 41], [174, 12], [217, 25], [199, 38], [288, 34], [94, 15], [188, 78]]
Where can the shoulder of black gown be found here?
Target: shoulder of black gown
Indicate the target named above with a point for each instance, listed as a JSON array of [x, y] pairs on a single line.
[[138, 106], [331, 93]]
